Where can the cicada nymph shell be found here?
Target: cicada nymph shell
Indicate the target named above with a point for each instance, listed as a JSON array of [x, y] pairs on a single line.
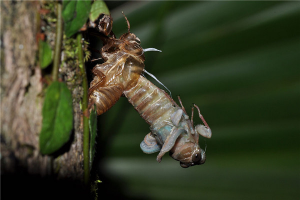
[[122, 67]]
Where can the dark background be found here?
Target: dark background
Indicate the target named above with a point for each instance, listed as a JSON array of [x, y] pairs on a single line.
[[239, 62]]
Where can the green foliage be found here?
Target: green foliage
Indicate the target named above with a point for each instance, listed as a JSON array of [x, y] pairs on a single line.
[[75, 14], [98, 7], [45, 54], [93, 134], [57, 118]]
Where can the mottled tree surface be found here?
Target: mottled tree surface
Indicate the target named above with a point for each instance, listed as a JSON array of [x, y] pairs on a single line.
[[22, 95]]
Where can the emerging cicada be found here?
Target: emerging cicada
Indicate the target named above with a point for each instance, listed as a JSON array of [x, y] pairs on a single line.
[[171, 129]]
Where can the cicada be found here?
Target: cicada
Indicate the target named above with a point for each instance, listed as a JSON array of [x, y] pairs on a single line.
[[171, 130]]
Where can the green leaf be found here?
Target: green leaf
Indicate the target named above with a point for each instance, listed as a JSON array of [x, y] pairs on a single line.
[[75, 14], [99, 7], [57, 118], [93, 134], [45, 54]]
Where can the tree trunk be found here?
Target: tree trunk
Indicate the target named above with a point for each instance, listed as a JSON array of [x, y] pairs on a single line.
[[22, 95]]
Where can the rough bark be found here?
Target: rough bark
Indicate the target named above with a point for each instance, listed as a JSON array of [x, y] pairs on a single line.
[[22, 94]]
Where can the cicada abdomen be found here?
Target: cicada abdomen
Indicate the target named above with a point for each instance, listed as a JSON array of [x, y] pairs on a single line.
[[124, 63], [171, 129]]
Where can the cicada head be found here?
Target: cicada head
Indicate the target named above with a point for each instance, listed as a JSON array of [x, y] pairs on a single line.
[[189, 154], [186, 149]]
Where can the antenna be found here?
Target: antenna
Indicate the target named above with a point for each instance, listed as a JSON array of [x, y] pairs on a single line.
[[128, 25]]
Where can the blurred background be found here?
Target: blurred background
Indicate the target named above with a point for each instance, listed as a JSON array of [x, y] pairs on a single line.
[[240, 63]]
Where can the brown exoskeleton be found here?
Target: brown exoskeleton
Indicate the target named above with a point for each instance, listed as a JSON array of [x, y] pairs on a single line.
[[171, 129], [124, 63]]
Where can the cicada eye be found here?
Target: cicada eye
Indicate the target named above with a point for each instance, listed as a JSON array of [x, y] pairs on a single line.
[[196, 157]]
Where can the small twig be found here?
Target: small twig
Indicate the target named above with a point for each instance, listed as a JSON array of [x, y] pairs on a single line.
[[84, 107], [58, 42], [86, 133]]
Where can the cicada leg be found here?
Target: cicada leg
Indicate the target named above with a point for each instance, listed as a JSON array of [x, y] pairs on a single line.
[[169, 143], [205, 131], [181, 105]]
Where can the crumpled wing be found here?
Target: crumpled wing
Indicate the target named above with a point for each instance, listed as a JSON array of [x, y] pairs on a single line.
[[149, 144]]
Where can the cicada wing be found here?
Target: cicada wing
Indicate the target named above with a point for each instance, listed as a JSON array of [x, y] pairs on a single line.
[[149, 144]]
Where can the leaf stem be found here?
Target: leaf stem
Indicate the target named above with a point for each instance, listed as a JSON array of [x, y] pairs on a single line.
[[86, 132], [58, 42]]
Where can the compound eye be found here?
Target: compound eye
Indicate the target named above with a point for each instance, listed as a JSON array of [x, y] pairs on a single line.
[[196, 157]]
